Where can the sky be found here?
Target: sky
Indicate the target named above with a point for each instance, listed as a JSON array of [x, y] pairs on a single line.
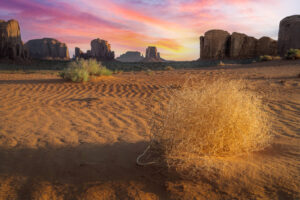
[[173, 26]]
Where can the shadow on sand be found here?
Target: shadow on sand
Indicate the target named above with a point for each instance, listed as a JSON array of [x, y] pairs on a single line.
[[80, 166], [33, 81]]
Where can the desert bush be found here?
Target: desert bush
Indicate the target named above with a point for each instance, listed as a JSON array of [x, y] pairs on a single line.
[[75, 74], [265, 58], [221, 63], [117, 71], [169, 68], [276, 58], [293, 54], [210, 120], [103, 71], [149, 72], [81, 70]]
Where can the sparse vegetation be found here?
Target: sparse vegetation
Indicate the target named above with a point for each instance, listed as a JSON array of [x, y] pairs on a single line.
[[221, 63], [293, 54], [118, 72], [265, 58], [207, 121], [81, 70], [149, 72], [169, 68], [277, 58], [103, 71]]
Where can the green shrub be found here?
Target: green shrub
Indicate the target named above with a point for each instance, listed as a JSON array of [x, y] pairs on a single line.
[[81, 70], [75, 74], [103, 71], [293, 54], [265, 58]]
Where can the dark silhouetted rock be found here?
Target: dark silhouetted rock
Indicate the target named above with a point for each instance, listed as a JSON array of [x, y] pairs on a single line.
[[11, 45], [201, 45], [48, 49], [289, 34], [266, 46], [78, 53], [152, 55], [131, 56], [242, 46], [81, 54], [218, 44], [214, 44], [100, 50]]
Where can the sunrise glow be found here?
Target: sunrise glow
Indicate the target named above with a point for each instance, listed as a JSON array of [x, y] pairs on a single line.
[[174, 26]]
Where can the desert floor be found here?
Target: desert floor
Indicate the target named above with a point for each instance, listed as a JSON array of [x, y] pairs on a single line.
[[62, 140]]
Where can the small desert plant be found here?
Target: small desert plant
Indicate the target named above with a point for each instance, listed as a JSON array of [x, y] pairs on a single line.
[[149, 72], [221, 63], [117, 71], [276, 58], [81, 70], [265, 58], [208, 121], [169, 68], [293, 54]]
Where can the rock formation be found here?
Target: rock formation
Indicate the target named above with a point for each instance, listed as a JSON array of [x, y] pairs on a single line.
[[47, 48], [219, 44], [152, 55], [266, 46], [78, 53], [241, 46], [214, 44], [131, 56], [81, 54], [289, 34], [11, 45], [100, 49]]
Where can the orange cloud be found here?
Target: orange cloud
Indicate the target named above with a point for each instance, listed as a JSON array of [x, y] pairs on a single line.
[[168, 44]]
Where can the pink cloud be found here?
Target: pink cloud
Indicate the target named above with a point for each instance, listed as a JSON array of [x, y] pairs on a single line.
[[135, 24]]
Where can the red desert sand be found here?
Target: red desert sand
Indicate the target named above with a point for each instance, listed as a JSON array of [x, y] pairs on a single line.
[[63, 140]]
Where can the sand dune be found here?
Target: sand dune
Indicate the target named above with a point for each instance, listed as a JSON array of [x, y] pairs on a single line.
[[62, 140]]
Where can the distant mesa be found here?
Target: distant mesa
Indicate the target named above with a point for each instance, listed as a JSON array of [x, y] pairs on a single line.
[[219, 44], [152, 55], [100, 50], [289, 34], [11, 45], [47, 49], [213, 45], [131, 56]]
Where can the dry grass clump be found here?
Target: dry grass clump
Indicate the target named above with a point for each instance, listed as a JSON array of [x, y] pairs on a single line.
[[269, 58], [210, 120], [168, 68]]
